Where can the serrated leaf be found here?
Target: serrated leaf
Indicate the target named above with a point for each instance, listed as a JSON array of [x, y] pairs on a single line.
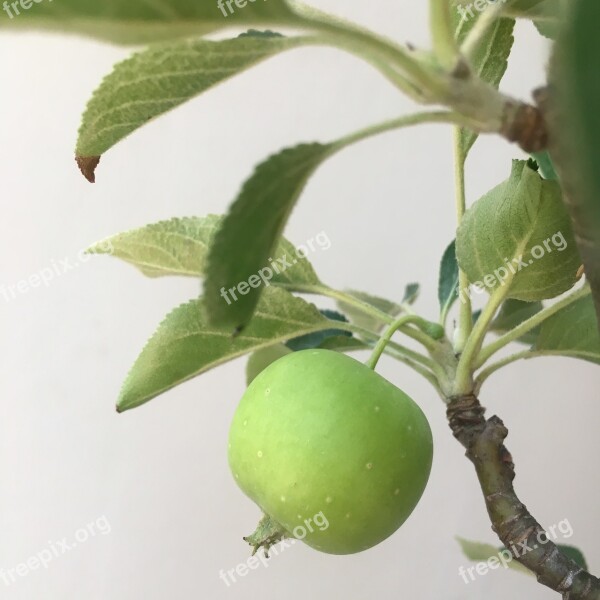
[[316, 339], [161, 78], [262, 358], [514, 312], [252, 229], [448, 279], [175, 247], [180, 246], [520, 230], [141, 21], [185, 345], [572, 331], [490, 59], [366, 321], [547, 15], [574, 121]]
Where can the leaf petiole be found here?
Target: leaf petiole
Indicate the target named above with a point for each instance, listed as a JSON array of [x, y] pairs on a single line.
[[529, 324]]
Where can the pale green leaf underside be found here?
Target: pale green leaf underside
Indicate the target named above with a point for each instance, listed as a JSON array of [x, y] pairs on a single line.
[[491, 58], [519, 220], [481, 552], [144, 21], [185, 346], [180, 247], [253, 227], [157, 80], [573, 331]]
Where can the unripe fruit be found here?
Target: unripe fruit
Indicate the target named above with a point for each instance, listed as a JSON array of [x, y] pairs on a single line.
[[319, 433]]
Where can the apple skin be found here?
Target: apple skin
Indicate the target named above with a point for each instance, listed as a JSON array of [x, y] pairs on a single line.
[[318, 432]]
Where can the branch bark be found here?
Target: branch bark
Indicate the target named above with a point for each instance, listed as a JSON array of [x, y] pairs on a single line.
[[515, 526]]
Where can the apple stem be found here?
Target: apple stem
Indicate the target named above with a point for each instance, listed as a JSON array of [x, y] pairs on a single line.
[[433, 330]]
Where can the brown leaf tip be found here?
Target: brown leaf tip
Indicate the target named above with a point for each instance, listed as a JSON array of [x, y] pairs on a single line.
[[87, 165]]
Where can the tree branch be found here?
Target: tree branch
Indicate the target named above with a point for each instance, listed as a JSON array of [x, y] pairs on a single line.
[[512, 522]]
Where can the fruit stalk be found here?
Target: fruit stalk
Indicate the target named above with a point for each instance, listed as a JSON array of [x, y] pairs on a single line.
[[513, 523]]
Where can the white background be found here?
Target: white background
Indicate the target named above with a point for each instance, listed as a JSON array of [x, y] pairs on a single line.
[[159, 474]]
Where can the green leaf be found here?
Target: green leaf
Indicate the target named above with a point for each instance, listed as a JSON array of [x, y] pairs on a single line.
[[490, 60], [141, 21], [572, 331], [519, 231], [574, 554], [512, 313], [343, 343], [448, 280], [262, 358], [476, 550], [480, 552], [314, 340], [185, 345], [547, 15], [366, 321], [411, 293], [575, 129], [161, 78], [252, 229], [175, 247], [180, 247]]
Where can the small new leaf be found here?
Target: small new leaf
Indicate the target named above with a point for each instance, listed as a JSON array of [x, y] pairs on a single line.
[[185, 345], [448, 280], [481, 552]]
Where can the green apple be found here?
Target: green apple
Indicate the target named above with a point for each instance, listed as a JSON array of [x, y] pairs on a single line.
[[330, 451]]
